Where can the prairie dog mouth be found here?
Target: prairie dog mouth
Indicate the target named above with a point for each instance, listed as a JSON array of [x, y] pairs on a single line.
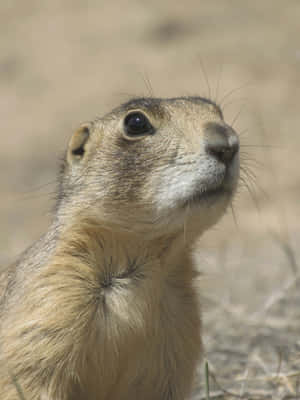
[[209, 196], [213, 192]]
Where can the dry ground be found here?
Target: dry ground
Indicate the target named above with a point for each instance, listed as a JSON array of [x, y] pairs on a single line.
[[63, 62]]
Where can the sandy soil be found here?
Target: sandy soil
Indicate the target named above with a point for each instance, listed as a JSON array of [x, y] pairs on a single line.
[[64, 62]]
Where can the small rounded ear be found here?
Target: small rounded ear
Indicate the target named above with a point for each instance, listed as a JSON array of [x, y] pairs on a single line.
[[77, 144]]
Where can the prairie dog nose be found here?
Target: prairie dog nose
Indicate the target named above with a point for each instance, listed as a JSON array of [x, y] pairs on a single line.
[[221, 141]]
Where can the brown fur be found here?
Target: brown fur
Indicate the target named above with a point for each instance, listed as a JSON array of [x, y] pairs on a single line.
[[105, 306]]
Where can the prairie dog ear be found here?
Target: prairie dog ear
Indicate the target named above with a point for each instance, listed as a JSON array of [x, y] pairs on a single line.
[[77, 144]]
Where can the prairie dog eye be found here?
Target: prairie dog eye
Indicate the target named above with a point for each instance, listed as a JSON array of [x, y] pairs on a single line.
[[137, 124]]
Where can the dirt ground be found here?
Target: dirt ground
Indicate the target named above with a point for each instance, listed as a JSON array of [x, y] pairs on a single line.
[[64, 62]]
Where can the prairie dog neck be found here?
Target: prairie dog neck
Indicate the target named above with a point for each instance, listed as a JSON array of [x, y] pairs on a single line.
[[120, 252]]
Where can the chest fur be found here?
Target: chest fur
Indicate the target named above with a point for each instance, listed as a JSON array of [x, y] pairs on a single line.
[[147, 336]]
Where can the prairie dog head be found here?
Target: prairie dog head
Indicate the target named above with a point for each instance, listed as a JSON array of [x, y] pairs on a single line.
[[152, 165]]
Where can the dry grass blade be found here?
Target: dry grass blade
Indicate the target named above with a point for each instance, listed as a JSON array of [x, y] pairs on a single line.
[[206, 380], [275, 297], [288, 251], [18, 387]]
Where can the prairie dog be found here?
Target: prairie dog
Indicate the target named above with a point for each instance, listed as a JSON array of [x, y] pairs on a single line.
[[104, 305]]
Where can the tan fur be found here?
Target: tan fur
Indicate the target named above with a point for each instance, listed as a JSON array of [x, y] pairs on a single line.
[[104, 306]]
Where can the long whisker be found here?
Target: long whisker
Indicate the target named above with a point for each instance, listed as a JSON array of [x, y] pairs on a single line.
[[251, 179], [124, 96], [268, 146], [218, 82], [31, 196], [238, 114], [233, 91], [206, 78], [252, 196], [239, 99], [245, 157], [248, 173], [243, 133], [185, 224], [147, 83], [233, 215], [251, 162]]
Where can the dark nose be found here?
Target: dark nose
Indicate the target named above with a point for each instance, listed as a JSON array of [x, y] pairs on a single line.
[[221, 141]]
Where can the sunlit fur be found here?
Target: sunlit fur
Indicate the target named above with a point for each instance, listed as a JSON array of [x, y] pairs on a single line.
[[105, 305]]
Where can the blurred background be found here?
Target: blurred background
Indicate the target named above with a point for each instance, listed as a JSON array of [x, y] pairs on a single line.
[[65, 62]]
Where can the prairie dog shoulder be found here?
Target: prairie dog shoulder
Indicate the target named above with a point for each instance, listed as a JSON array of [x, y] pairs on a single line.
[[103, 306]]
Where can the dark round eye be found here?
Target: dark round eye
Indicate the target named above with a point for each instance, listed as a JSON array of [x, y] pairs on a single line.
[[137, 124]]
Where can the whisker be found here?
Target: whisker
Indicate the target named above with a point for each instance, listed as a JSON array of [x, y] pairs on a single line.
[[237, 115], [260, 145], [185, 224], [251, 194], [239, 99], [43, 185], [252, 181], [245, 156], [233, 91], [249, 173], [126, 95], [147, 83], [249, 162], [206, 78], [234, 215], [218, 82], [248, 178], [243, 132], [31, 196]]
